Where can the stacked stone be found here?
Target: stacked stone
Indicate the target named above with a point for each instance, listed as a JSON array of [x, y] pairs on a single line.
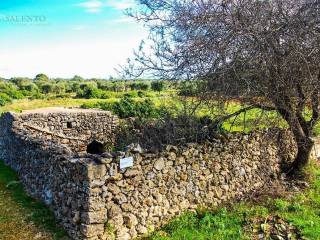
[[128, 203], [94, 199], [72, 129], [44, 157]]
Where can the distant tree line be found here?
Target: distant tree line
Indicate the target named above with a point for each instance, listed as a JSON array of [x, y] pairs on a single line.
[[43, 87]]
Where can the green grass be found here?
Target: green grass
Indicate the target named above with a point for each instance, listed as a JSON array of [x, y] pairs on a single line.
[[220, 224], [51, 101], [302, 210], [25, 104], [22, 217]]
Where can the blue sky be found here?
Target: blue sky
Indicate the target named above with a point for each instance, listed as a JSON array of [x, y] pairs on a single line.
[[63, 38]]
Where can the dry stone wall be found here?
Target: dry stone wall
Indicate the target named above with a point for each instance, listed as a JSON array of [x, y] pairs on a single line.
[[43, 156], [73, 128], [94, 199], [132, 202]]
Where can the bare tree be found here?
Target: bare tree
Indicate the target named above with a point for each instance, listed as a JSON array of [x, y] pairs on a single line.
[[266, 52]]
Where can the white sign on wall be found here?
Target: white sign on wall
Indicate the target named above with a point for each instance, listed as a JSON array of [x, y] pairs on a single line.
[[126, 162]]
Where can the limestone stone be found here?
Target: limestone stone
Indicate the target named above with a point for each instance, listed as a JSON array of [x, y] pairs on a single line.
[[142, 229], [114, 189], [92, 199], [94, 217], [91, 230], [159, 164], [130, 220], [131, 173]]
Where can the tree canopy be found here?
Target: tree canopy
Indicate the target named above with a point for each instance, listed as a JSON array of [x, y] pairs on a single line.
[[265, 53], [41, 77]]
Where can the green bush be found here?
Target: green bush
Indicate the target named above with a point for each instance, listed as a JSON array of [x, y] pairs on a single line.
[[91, 105], [105, 106], [29, 87], [73, 87], [36, 95], [188, 89], [59, 88], [89, 92], [127, 107], [157, 86], [4, 99], [15, 94], [132, 94], [46, 88], [105, 95], [139, 86], [141, 94], [41, 78]]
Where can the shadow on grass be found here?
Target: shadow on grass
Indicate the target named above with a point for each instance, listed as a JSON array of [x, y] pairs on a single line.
[[35, 211]]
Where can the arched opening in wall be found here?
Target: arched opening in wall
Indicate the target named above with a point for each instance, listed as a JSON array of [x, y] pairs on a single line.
[[95, 147]]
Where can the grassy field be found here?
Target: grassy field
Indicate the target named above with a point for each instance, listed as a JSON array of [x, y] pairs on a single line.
[[25, 104], [300, 211], [21, 217], [243, 123]]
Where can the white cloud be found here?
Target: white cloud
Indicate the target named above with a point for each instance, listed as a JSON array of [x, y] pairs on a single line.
[[87, 57], [92, 6], [95, 6], [120, 4]]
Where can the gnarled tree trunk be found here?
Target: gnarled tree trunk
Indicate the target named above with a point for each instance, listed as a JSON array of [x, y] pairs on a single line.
[[303, 154], [302, 131]]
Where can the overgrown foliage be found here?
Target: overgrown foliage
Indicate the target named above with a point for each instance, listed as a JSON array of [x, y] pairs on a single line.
[[43, 87], [268, 60], [127, 107], [295, 217], [22, 217], [168, 129]]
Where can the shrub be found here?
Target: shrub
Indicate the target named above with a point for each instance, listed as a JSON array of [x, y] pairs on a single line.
[[41, 78], [15, 94], [30, 87], [132, 94], [105, 106], [4, 99], [105, 95], [59, 88], [157, 86], [74, 87], [89, 92], [127, 107], [153, 134], [139, 86], [141, 94], [188, 89], [90, 105], [37, 95], [46, 88]]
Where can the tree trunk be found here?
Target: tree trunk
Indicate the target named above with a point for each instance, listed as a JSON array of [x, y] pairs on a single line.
[[303, 154]]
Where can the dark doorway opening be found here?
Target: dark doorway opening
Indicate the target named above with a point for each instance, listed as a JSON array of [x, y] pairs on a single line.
[[95, 147], [69, 125]]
